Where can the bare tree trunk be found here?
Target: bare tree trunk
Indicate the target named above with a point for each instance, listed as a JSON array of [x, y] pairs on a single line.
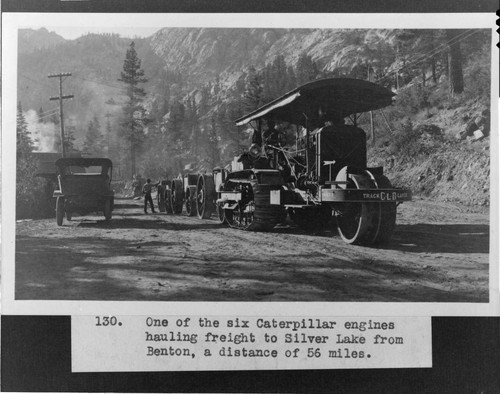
[[132, 159], [455, 72]]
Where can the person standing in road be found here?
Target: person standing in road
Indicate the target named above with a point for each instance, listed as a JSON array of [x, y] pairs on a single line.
[[146, 190]]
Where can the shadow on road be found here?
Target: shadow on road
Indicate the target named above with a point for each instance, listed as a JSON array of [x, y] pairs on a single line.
[[161, 224], [91, 268], [417, 238], [441, 238]]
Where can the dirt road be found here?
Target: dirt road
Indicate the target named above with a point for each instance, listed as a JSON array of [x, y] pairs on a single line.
[[439, 253]]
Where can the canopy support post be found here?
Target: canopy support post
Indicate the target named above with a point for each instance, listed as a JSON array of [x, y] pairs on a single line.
[[308, 134]]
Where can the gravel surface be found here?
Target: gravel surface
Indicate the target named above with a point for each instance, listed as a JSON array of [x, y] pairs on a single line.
[[438, 253]]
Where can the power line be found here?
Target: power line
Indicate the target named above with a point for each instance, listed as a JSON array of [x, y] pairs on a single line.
[[99, 83], [420, 58], [441, 47], [438, 49], [48, 115], [37, 82], [43, 113]]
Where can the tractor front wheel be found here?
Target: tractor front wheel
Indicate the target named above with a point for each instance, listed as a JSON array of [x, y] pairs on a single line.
[[356, 218], [367, 223]]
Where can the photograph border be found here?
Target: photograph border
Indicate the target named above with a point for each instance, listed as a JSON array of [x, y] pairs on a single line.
[[13, 21]]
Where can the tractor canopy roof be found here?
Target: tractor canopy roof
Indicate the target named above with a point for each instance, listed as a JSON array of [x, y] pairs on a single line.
[[321, 100]]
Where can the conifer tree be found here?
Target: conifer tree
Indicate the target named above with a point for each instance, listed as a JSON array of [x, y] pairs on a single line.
[[455, 62], [69, 138], [109, 135], [134, 114], [212, 149], [24, 141], [93, 144], [252, 97], [26, 182], [279, 76], [291, 80], [307, 70]]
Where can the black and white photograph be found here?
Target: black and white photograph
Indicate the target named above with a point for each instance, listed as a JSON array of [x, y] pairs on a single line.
[[253, 164], [249, 202]]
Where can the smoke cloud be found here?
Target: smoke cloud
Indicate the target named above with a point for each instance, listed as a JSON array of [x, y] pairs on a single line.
[[44, 135]]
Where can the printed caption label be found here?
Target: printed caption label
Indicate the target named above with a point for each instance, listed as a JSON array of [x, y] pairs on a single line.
[[198, 343]]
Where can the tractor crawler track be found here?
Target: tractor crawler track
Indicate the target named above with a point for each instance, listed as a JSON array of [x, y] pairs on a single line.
[[257, 214]]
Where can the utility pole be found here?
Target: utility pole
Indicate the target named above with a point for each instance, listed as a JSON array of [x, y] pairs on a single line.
[[372, 130], [61, 98]]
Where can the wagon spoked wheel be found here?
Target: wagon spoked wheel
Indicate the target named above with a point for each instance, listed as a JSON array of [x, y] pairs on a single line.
[[355, 221], [107, 210], [176, 197], [160, 196], [191, 201], [59, 210], [205, 191], [168, 201]]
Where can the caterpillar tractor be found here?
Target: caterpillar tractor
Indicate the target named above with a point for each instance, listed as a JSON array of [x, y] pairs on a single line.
[[324, 177]]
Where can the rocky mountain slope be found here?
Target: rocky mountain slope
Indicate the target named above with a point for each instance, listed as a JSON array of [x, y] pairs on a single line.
[[183, 60], [30, 40]]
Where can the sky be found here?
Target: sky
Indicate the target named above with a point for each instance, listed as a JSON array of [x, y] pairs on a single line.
[[72, 32]]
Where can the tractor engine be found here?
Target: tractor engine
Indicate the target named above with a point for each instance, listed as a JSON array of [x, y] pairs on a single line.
[[338, 146]]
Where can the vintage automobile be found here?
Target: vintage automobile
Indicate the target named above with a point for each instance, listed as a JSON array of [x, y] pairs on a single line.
[[84, 187]]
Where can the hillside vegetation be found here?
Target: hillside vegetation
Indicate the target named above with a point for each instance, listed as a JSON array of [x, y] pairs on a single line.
[[434, 139]]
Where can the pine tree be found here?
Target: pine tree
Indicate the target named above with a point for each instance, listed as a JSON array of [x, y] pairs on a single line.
[[93, 144], [24, 141], [252, 97], [267, 83], [175, 138], [27, 185], [291, 79], [193, 129], [306, 69], [109, 136], [455, 62], [212, 149], [279, 76], [69, 138], [134, 114]]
